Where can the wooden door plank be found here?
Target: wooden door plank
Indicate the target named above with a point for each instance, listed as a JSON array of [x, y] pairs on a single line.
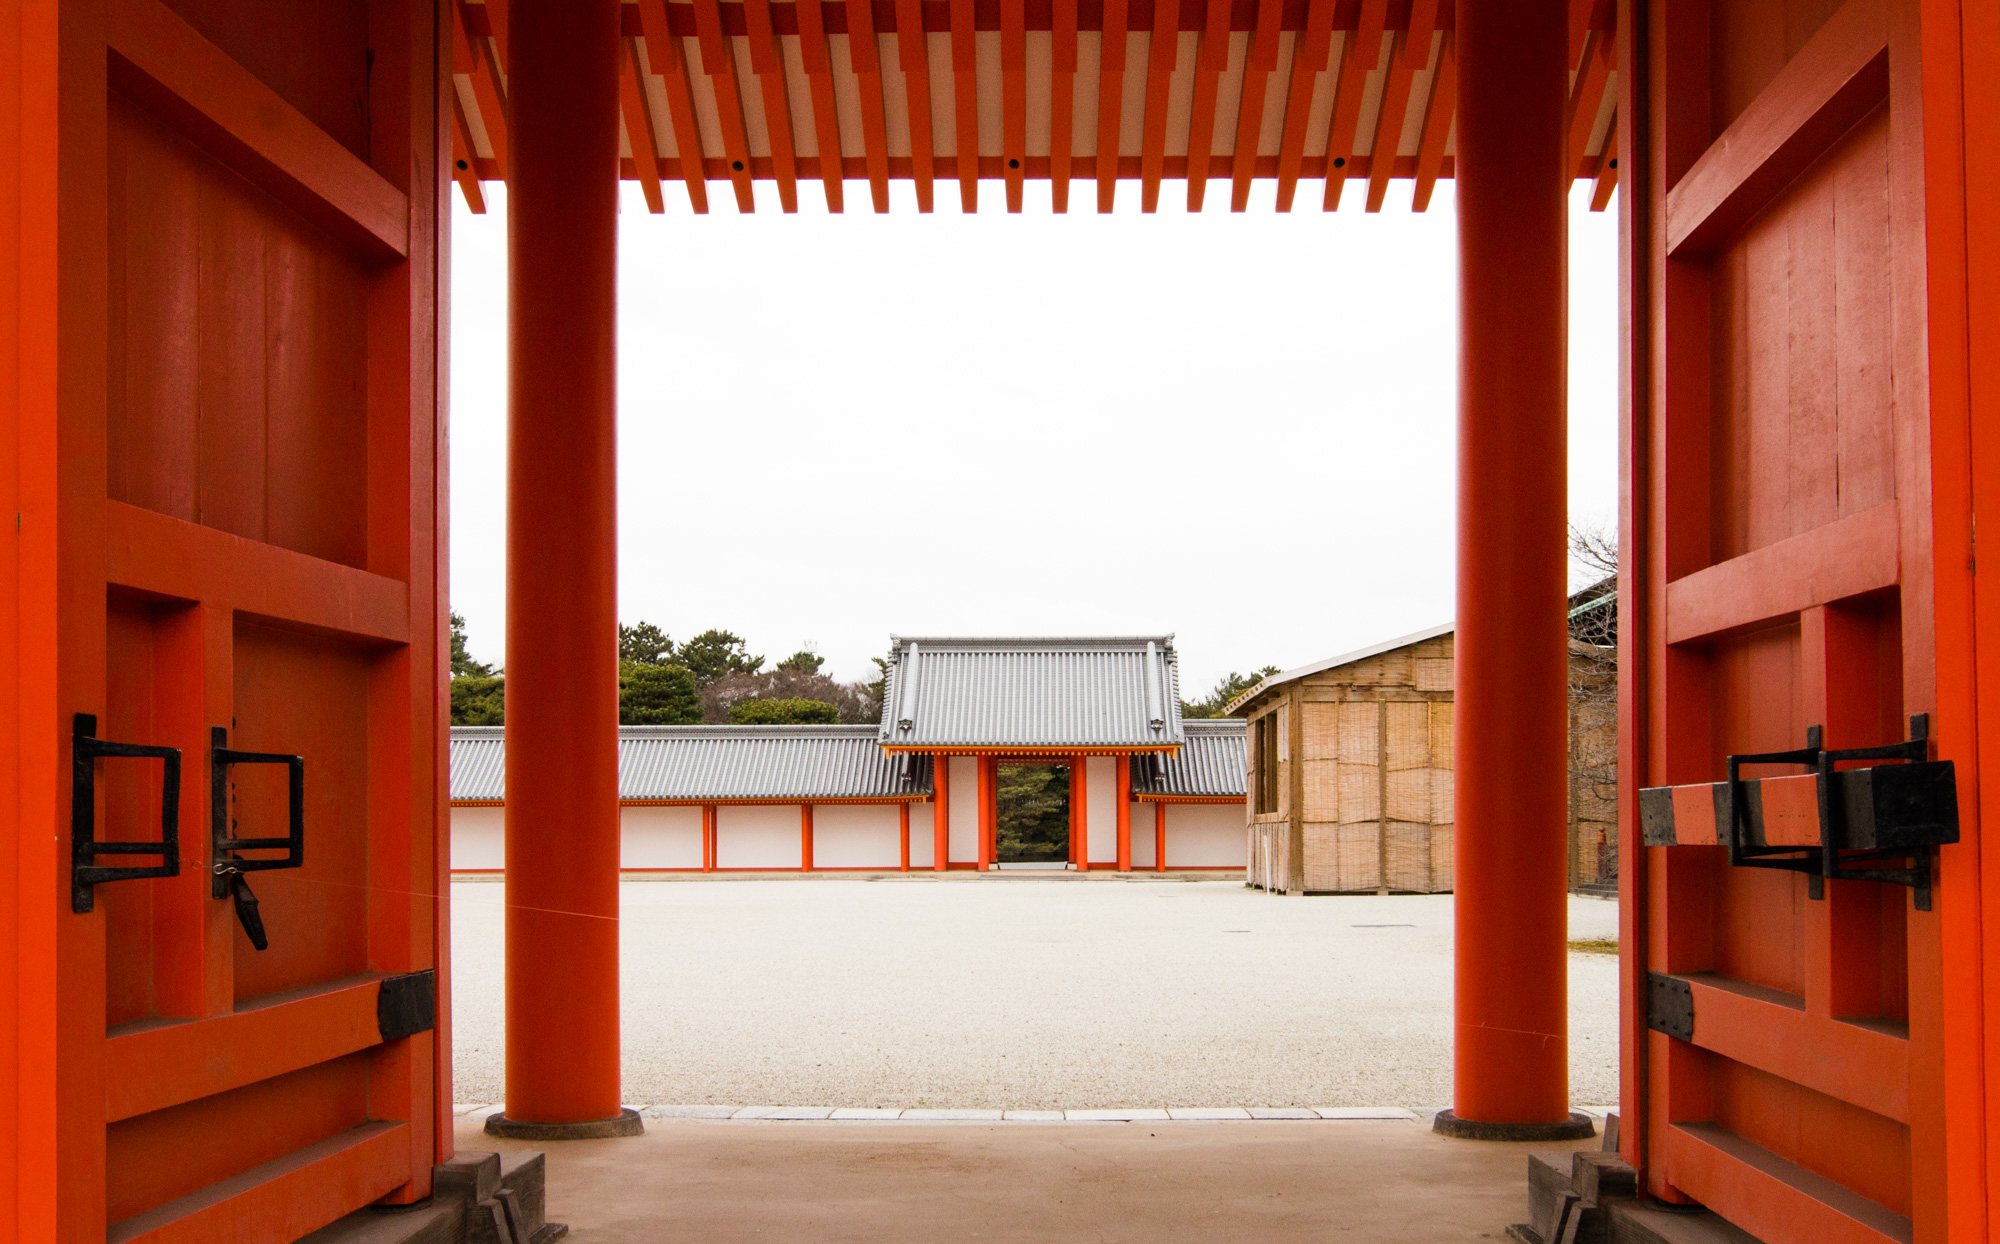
[[1845, 558]]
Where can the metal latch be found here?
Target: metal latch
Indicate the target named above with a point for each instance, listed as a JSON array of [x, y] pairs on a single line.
[[229, 867], [84, 871]]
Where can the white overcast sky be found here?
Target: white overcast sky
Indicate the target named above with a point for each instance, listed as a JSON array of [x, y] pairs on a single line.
[[1237, 428]]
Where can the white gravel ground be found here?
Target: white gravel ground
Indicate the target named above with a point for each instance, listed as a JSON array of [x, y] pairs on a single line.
[[1027, 994]]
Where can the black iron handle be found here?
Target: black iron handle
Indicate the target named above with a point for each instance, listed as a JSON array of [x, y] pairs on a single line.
[[227, 864], [85, 872]]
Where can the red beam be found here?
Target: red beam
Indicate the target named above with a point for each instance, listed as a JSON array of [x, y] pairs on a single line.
[[719, 63], [664, 58], [1261, 63], [1437, 125], [965, 102], [1211, 58], [1122, 788], [1110, 101], [1159, 837], [941, 813], [805, 837], [1361, 52], [769, 65], [1415, 49], [866, 59], [1309, 53], [638, 120], [818, 63], [1162, 57], [1062, 104], [1013, 97], [913, 56]]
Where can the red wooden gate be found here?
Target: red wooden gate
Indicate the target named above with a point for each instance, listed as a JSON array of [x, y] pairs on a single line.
[[242, 455], [1778, 528]]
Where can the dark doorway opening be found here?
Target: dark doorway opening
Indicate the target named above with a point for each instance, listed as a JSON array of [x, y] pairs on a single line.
[[1032, 822]]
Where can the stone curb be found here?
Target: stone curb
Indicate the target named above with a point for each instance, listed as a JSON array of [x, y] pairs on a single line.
[[1171, 1114]]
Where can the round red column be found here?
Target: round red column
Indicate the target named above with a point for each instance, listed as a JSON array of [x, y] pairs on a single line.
[[562, 574], [1511, 1040]]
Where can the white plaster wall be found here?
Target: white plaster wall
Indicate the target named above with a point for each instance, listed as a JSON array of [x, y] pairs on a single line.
[[1142, 835], [1101, 799], [923, 846], [856, 836], [478, 839], [1204, 835], [757, 837], [964, 810], [659, 838]]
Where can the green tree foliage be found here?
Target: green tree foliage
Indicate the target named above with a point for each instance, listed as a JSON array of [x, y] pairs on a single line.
[[1232, 685], [644, 644], [714, 654], [784, 713], [478, 700], [657, 695], [1034, 812], [804, 661], [461, 660]]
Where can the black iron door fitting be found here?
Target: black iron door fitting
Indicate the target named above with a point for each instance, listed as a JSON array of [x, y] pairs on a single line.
[[229, 867], [86, 749]]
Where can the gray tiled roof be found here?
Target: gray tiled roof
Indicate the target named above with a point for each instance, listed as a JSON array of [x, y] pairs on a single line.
[[1054, 693], [719, 763], [1345, 658], [1212, 763]]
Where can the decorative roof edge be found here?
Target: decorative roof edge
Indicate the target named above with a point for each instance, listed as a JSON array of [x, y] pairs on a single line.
[[1345, 658]]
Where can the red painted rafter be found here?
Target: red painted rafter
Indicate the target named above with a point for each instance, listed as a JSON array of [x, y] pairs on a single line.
[[489, 95], [1413, 54], [463, 158], [663, 57], [719, 63], [1062, 103], [865, 57], [1437, 125], [1587, 98], [1162, 58], [639, 134], [769, 65], [818, 64], [1110, 102], [965, 102], [1309, 53], [1014, 97], [1360, 52], [1607, 170], [1211, 58], [913, 56], [1258, 67]]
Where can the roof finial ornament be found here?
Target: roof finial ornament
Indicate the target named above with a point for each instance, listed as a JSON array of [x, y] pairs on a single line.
[[907, 692]]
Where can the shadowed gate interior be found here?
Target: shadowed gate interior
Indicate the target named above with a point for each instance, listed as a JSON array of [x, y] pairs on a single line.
[[1032, 814]]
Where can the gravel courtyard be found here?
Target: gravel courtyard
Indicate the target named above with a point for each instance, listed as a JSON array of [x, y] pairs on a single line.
[[1027, 994]]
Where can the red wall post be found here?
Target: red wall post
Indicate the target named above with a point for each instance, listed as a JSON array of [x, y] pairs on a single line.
[[941, 812], [989, 773], [1511, 1040], [562, 563], [805, 837], [1159, 837], [708, 819], [1123, 786], [903, 826], [1079, 812]]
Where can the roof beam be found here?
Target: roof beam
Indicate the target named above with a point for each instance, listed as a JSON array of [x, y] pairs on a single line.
[[1361, 51], [1062, 103], [463, 157], [1414, 48], [1607, 170], [1437, 123], [1110, 102], [965, 102], [1258, 67], [865, 58], [1210, 59], [719, 63], [639, 127], [663, 57], [489, 95], [1162, 58], [913, 57], [1014, 97], [768, 64], [1309, 53], [818, 64]]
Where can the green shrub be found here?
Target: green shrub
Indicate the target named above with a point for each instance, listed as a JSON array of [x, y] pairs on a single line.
[[784, 713], [657, 695], [477, 701]]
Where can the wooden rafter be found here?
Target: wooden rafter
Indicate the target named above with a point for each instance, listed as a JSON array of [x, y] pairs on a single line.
[[1211, 58], [769, 66], [1360, 52], [1586, 100], [1110, 102], [1607, 170], [866, 60], [1014, 97], [1258, 67], [1162, 58], [463, 156], [1062, 102], [1309, 53], [965, 102], [489, 95], [663, 58], [719, 63], [913, 57], [638, 119], [1437, 125], [818, 63], [1413, 53]]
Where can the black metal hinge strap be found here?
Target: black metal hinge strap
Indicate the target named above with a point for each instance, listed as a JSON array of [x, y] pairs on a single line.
[[1887, 812], [407, 1005], [86, 749], [228, 864], [1670, 1006], [1742, 853]]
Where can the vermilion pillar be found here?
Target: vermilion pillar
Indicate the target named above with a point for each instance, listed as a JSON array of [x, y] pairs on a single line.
[[1122, 782], [1511, 1039], [562, 549], [941, 811]]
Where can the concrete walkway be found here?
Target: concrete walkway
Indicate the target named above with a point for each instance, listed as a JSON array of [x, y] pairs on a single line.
[[1014, 994], [1384, 1183]]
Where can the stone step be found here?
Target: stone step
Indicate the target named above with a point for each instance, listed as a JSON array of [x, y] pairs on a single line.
[[477, 1198]]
